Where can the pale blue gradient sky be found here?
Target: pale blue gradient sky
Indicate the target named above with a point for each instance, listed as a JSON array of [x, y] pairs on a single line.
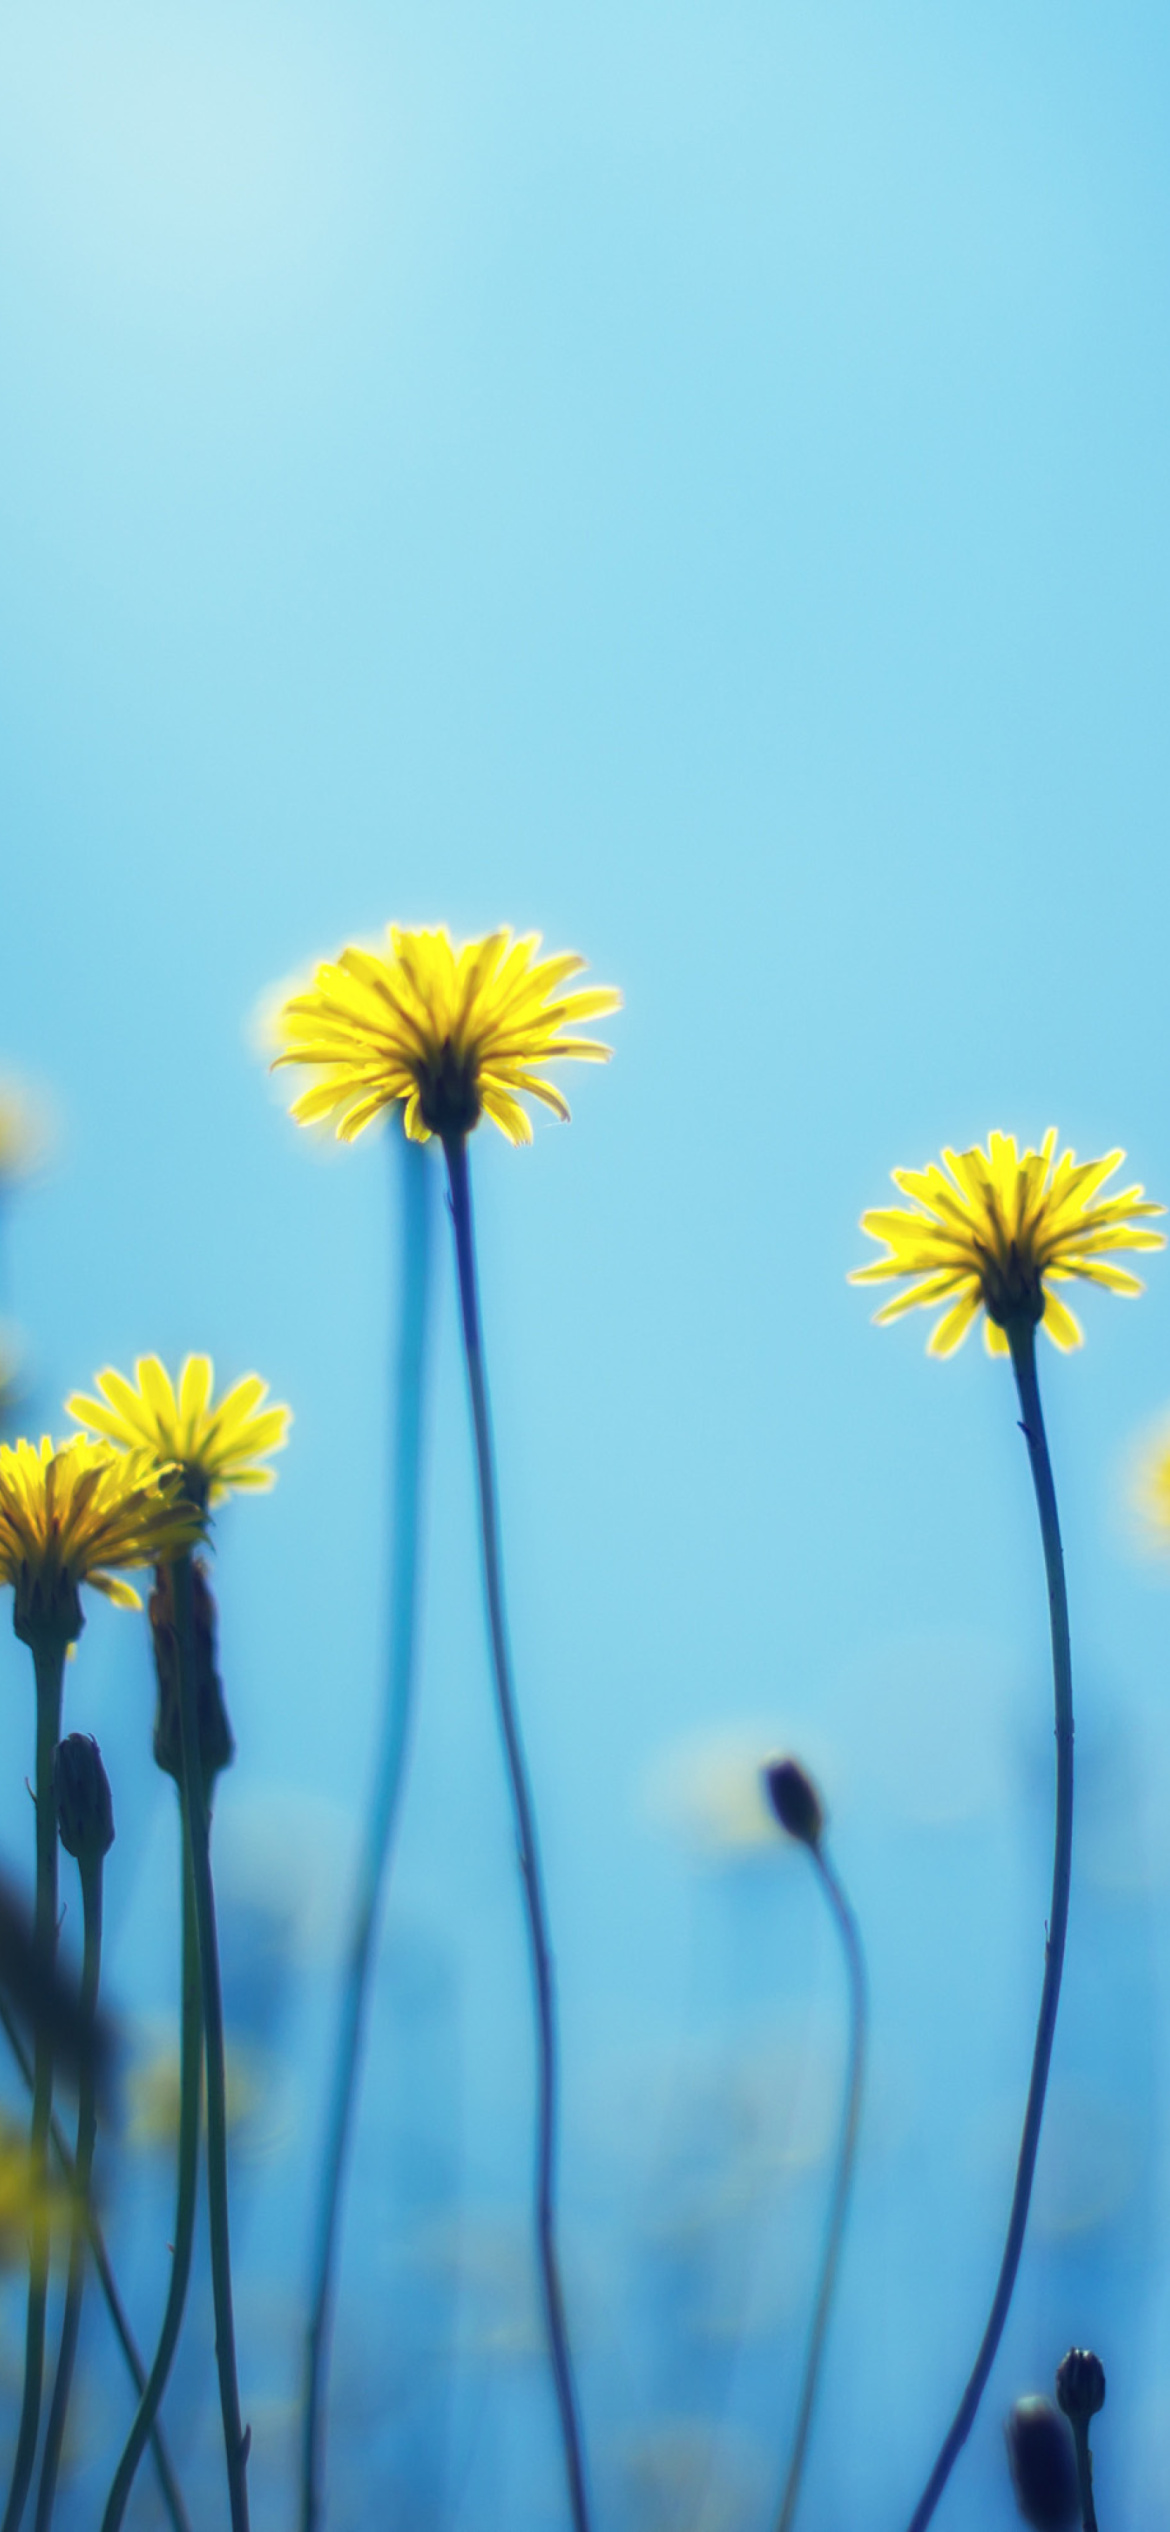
[[691, 480]]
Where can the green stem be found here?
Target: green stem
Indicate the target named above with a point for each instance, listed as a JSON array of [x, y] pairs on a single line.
[[194, 1794], [49, 1664], [560, 2358], [846, 1924], [1022, 1339], [106, 2279], [384, 1806], [91, 1959], [153, 2385]]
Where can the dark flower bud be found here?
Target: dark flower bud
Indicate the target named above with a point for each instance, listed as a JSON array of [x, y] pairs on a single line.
[[81, 1791], [1043, 2466], [1080, 2384], [795, 1800], [216, 1746]]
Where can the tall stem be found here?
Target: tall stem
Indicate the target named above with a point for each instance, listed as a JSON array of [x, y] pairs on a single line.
[[384, 1806], [1080, 2428], [194, 1793], [91, 1959], [846, 1924], [106, 2279], [1022, 1338], [187, 2187], [560, 2358], [48, 1654]]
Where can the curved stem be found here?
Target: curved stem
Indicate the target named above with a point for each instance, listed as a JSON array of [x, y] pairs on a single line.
[[455, 1147], [49, 1664], [91, 1960], [847, 1928], [197, 1816], [154, 2384], [384, 1806], [106, 2280], [1022, 1339]]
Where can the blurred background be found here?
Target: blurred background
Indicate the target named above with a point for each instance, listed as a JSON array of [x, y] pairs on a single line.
[[689, 480]]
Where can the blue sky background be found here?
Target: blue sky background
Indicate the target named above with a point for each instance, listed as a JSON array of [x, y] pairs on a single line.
[[691, 481]]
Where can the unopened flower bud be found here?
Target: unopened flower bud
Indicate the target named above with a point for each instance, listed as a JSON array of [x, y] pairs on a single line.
[[216, 1746], [81, 1791], [1043, 2465], [795, 1800], [1080, 2384]]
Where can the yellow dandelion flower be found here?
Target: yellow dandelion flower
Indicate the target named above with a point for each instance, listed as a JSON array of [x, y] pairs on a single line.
[[451, 1034], [998, 1232], [217, 1448], [75, 1512]]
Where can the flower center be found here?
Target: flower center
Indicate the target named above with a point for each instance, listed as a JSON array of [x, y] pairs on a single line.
[[448, 1090], [1011, 1285]]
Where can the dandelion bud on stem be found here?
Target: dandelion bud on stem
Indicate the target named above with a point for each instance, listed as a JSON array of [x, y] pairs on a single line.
[[1080, 2389], [216, 1745], [1080, 2384], [795, 1800], [797, 1803], [81, 1789]]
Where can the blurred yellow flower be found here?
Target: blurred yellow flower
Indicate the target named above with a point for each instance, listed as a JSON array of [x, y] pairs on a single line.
[[216, 1448], [1149, 1487], [75, 1512], [453, 1034], [155, 2088], [25, 2190], [999, 1232], [24, 1130]]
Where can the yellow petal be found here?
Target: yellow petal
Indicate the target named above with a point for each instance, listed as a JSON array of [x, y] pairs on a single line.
[[1060, 1325], [948, 1333], [195, 1387], [920, 1296], [157, 1392]]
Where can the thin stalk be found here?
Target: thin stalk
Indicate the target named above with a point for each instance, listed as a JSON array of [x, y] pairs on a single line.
[[1080, 2428], [153, 2385], [90, 1865], [847, 1928], [106, 2279], [194, 1795], [1022, 1338], [560, 2358], [49, 1664], [384, 1807]]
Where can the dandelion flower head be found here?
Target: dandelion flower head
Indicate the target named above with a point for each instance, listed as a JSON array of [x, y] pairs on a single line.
[[218, 1448], [79, 1512], [452, 1034], [996, 1229]]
